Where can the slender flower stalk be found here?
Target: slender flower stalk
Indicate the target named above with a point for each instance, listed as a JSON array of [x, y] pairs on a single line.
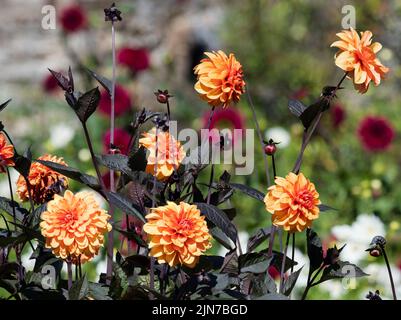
[[209, 191], [389, 272], [273, 229], [282, 271], [110, 244], [12, 197], [69, 273]]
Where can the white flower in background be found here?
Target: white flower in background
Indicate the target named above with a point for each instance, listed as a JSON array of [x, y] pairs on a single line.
[[379, 279], [358, 236], [335, 288], [4, 187], [61, 135], [278, 134]]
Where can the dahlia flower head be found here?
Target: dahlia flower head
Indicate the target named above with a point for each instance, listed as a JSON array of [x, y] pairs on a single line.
[[177, 234], [170, 153], [219, 79], [6, 154], [293, 202], [358, 57], [44, 182], [74, 226]]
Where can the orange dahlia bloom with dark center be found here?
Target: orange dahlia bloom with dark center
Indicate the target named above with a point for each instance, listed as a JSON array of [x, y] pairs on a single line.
[[220, 79], [74, 226], [170, 153], [177, 234], [357, 56], [293, 202], [45, 183], [6, 154]]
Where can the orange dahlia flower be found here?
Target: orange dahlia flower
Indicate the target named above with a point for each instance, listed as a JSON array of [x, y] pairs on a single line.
[[45, 183], [170, 153], [74, 226], [6, 154], [357, 56], [177, 234], [293, 202], [220, 79]]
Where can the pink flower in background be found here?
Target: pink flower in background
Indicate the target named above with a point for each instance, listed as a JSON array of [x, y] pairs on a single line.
[[73, 18], [376, 133], [121, 140], [136, 59], [338, 115], [106, 179], [49, 84], [122, 102], [227, 118]]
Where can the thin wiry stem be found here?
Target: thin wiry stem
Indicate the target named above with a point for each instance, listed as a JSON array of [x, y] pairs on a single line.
[[110, 244], [12, 197], [282, 271], [389, 272], [209, 191]]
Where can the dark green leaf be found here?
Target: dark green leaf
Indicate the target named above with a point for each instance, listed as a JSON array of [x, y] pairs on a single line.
[[22, 164], [73, 173], [98, 291], [4, 104], [8, 205], [248, 191], [314, 249], [323, 208], [222, 238], [254, 262], [104, 82], [138, 162], [124, 204], [230, 264], [87, 104], [342, 269], [116, 162], [290, 282], [219, 219], [310, 114], [79, 289], [260, 236]]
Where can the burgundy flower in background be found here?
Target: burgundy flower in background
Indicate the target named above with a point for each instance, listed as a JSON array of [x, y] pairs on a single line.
[[229, 118], [376, 133], [274, 273], [73, 18], [300, 94], [106, 179], [121, 140], [338, 115], [136, 59], [122, 101], [49, 84]]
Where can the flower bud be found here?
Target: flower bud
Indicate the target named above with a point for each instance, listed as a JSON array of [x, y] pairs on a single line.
[[270, 147], [162, 96]]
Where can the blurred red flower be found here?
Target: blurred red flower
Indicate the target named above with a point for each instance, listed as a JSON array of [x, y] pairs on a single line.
[[338, 115], [73, 18], [49, 84], [136, 59], [122, 101], [300, 93], [376, 133], [121, 140], [129, 247], [229, 118]]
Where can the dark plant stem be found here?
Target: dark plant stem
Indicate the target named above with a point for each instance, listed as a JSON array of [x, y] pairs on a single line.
[[110, 244], [12, 197], [209, 191], [95, 165], [29, 188], [168, 110], [69, 272], [262, 144], [282, 271], [308, 134], [389, 272], [273, 229], [293, 251], [80, 267], [310, 281]]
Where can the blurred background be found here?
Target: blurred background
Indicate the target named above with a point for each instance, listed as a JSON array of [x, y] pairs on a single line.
[[284, 47]]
